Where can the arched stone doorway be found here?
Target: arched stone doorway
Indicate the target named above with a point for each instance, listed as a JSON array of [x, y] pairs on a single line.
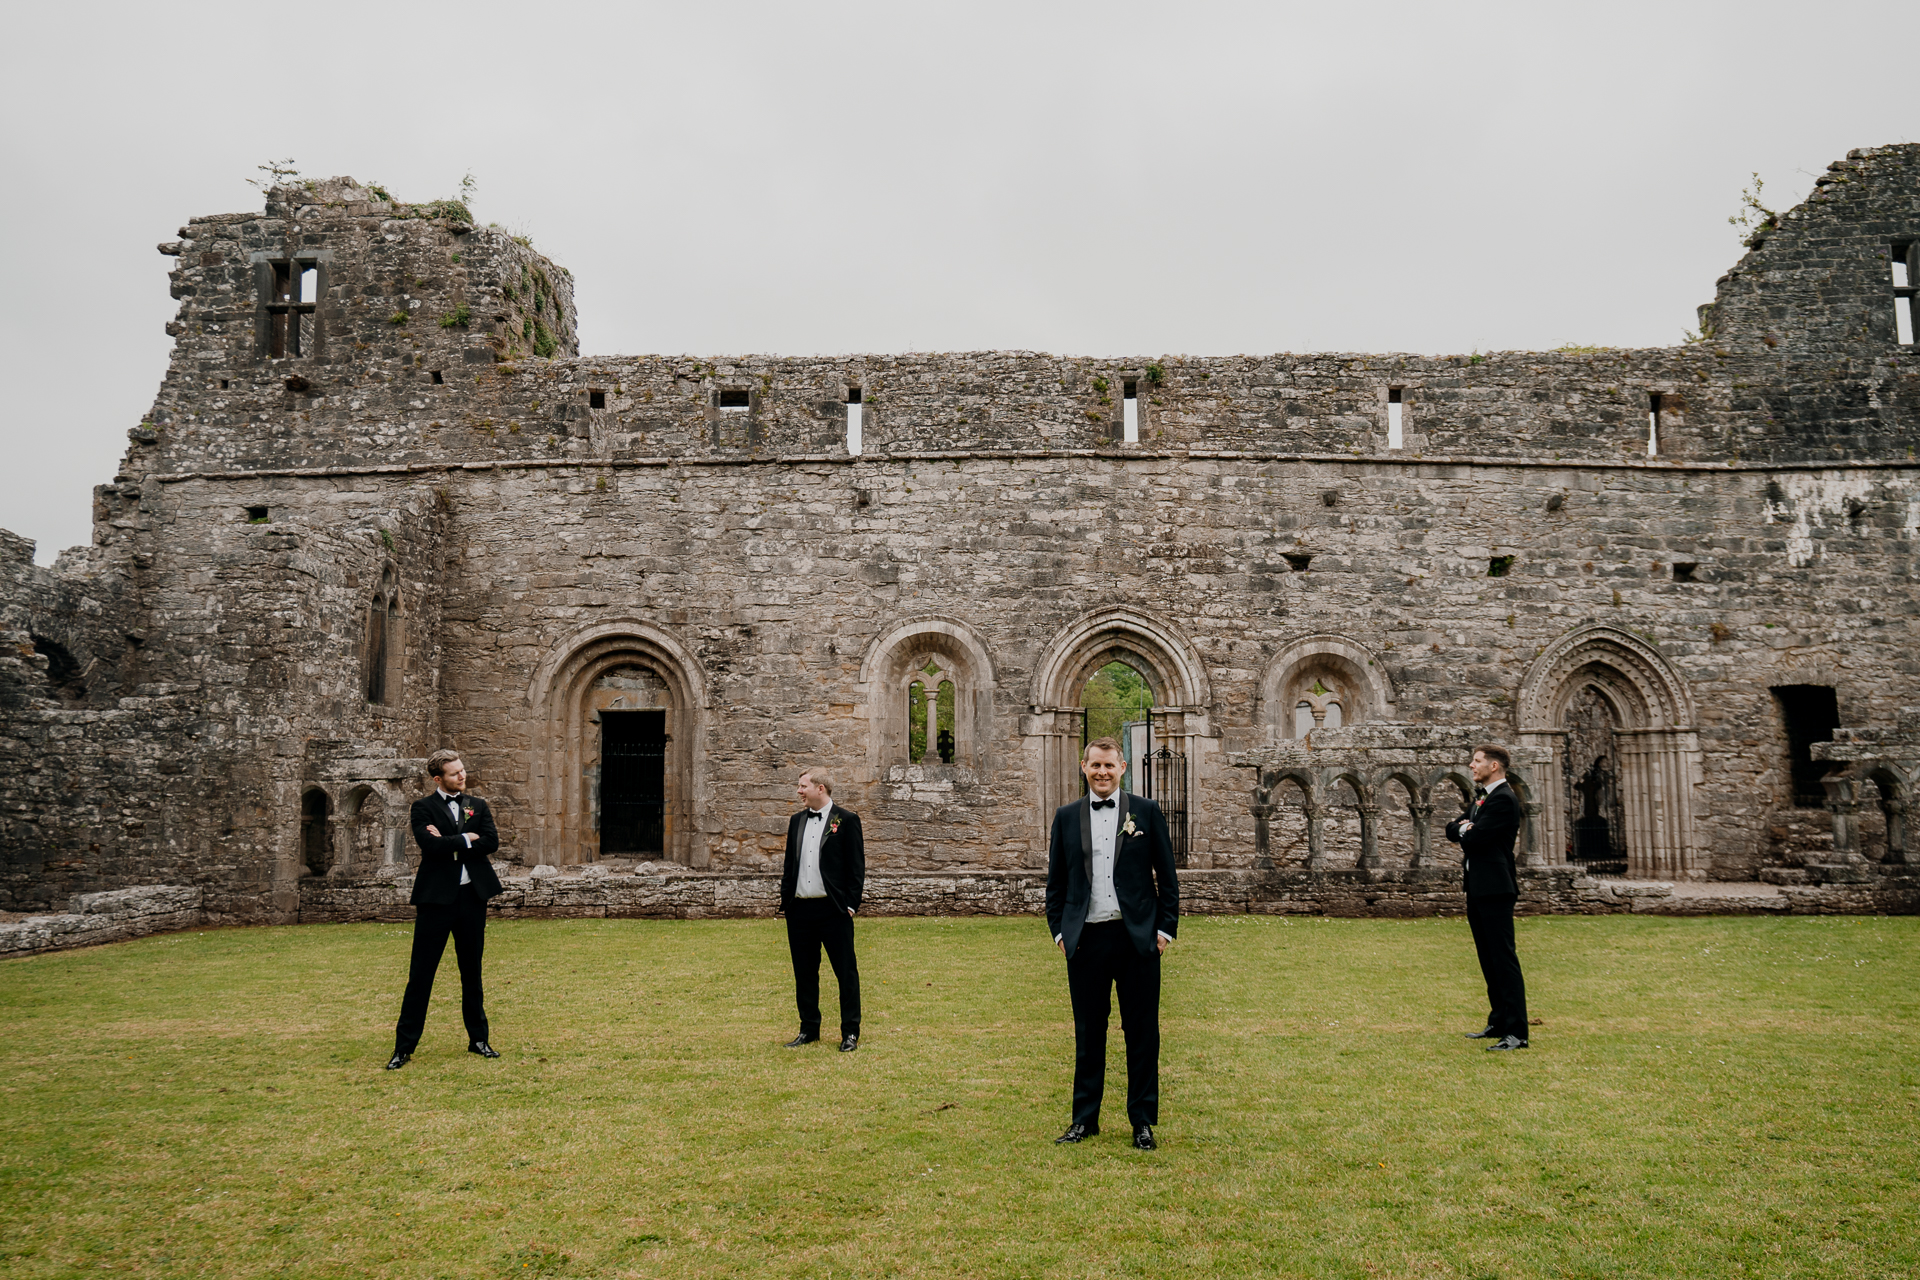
[[1619, 724], [617, 769], [1177, 692]]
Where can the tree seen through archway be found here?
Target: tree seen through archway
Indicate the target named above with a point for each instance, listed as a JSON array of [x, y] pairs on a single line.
[[1115, 696]]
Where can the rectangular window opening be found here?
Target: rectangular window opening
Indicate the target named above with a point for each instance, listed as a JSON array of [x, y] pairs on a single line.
[[292, 290], [1653, 424], [595, 399], [1396, 422], [1500, 566], [1903, 292], [1684, 571], [309, 281], [1130, 412], [256, 515], [854, 415], [1809, 713], [223, 384], [438, 381], [733, 399]]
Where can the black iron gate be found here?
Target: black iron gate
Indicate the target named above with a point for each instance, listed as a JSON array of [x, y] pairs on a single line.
[[633, 781]]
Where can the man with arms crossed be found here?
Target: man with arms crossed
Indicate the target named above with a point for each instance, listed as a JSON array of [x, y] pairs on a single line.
[[821, 881], [1485, 834], [450, 894], [1113, 905]]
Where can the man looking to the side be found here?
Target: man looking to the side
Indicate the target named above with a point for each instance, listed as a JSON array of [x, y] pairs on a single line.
[[1113, 905], [821, 883], [450, 893], [1485, 834]]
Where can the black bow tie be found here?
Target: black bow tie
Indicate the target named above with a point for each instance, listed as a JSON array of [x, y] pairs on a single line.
[[815, 813], [453, 799], [1105, 804], [1478, 792]]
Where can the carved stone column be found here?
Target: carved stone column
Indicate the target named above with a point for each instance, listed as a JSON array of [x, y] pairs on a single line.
[[1422, 834], [1896, 810], [1316, 836], [1370, 835]]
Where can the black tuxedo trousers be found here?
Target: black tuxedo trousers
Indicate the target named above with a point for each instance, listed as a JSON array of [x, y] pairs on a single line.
[[1490, 916], [465, 921], [1105, 964], [813, 924]]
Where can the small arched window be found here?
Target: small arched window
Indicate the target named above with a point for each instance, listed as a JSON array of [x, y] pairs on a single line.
[[931, 706], [316, 832], [381, 665]]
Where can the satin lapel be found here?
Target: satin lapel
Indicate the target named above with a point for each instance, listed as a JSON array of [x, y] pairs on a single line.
[[1119, 824], [1086, 836]]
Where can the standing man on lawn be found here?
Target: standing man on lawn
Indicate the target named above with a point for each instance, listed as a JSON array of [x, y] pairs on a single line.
[[456, 877], [821, 883], [1113, 906], [1485, 834]]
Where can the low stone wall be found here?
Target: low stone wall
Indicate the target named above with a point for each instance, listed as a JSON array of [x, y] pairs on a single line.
[[112, 916]]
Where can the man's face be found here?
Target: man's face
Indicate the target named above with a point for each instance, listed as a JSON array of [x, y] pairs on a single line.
[[453, 777], [1484, 770], [811, 793], [1102, 768]]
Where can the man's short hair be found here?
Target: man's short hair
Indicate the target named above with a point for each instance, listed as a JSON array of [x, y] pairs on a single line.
[[1103, 744], [1497, 754], [820, 778], [437, 762]]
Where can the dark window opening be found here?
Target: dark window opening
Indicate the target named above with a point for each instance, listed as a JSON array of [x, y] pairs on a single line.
[[853, 395], [1500, 566], [733, 398], [63, 670], [1396, 419], [376, 667], [316, 832], [438, 381], [223, 384], [256, 515], [1683, 571], [1130, 390], [1298, 560], [596, 399], [1810, 713], [1905, 273], [1393, 395], [633, 781], [292, 292], [1653, 423]]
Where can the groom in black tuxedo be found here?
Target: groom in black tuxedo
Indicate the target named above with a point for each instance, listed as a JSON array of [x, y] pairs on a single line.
[[821, 883], [1113, 906], [1485, 834], [450, 891]]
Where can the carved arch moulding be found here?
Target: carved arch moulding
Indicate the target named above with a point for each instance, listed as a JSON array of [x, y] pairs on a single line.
[[624, 664], [929, 648], [1652, 741], [1341, 681]]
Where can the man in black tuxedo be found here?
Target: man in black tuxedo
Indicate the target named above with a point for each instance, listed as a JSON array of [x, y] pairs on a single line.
[[1113, 905], [821, 883], [1485, 834], [450, 893]]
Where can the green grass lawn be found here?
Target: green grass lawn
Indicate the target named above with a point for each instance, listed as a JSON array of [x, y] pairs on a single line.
[[1714, 1097]]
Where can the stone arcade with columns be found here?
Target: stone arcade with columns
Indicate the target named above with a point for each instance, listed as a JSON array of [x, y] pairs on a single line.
[[382, 504]]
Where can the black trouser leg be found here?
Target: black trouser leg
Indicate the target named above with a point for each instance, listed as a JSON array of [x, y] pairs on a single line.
[[1137, 983], [1490, 916], [836, 934], [469, 940], [803, 944], [432, 924]]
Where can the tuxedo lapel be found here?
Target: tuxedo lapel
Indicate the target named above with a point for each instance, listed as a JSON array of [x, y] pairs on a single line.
[[1086, 836], [1119, 824]]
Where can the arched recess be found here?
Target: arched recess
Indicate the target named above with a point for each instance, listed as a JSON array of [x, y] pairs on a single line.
[[1339, 681], [619, 667], [929, 650], [316, 832], [1602, 683], [1182, 698], [383, 645]]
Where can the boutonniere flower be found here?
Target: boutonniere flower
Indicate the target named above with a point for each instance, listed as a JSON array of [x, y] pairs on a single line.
[[833, 826], [469, 813], [1129, 829]]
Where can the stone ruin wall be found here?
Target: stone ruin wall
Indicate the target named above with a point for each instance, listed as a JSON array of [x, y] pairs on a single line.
[[524, 510]]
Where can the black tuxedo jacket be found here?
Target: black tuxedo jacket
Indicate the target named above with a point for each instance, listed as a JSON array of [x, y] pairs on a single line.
[[441, 857], [1143, 875], [1487, 850], [843, 858]]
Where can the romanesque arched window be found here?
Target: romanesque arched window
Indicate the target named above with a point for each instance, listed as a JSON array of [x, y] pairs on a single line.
[[929, 687], [1322, 682], [932, 698]]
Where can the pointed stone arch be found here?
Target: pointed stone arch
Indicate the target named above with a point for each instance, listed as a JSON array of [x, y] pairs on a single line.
[[888, 666], [586, 675], [1654, 737]]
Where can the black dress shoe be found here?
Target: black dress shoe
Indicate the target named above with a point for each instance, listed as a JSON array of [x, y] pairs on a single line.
[[1143, 1137], [849, 1043], [803, 1038], [1484, 1033], [1507, 1042], [482, 1048], [1075, 1133], [398, 1061]]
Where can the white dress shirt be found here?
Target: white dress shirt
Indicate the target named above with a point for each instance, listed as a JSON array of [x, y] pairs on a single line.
[[1105, 903], [810, 883], [453, 809]]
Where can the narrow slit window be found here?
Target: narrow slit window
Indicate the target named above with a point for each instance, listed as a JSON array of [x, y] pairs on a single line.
[[438, 381], [1130, 412], [596, 399], [1653, 424], [1903, 293], [1396, 422], [854, 408], [309, 283], [733, 399]]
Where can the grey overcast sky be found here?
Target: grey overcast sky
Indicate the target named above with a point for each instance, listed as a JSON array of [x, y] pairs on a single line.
[[1114, 178]]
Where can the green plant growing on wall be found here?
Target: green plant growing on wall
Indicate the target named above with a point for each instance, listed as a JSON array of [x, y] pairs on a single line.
[[387, 539], [1101, 385], [543, 342], [279, 173], [1156, 373], [399, 317], [458, 318], [378, 191], [1754, 218]]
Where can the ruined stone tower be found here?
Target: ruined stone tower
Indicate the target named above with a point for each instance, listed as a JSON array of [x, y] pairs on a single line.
[[381, 504]]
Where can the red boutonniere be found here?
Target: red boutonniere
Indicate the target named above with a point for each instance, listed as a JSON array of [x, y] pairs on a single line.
[[833, 826], [469, 813]]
